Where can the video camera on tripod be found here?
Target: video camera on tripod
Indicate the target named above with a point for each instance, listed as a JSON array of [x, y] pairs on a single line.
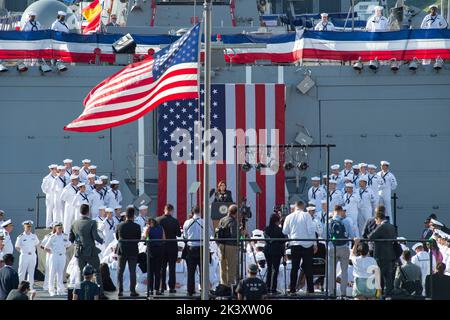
[[244, 210]]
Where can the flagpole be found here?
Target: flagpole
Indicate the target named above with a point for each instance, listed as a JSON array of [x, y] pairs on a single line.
[[207, 100]]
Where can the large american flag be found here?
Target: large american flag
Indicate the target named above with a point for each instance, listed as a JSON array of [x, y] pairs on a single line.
[[233, 106], [141, 87]]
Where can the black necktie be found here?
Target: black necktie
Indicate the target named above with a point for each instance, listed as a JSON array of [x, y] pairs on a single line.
[[33, 26], [62, 180]]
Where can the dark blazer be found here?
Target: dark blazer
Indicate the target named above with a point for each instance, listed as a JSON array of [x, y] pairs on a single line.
[[275, 247], [128, 230], [84, 232], [223, 197], [9, 280], [171, 228], [440, 289], [384, 250], [369, 227]]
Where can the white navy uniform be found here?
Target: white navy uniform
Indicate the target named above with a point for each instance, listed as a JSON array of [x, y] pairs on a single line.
[[47, 261], [46, 188], [368, 201], [346, 173], [113, 198], [284, 276], [26, 244], [108, 228], [374, 182], [32, 26], [8, 246], [335, 198], [324, 26], [117, 220], [67, 174], [141, 221], [57, 243], [68, 196], [376, 24], [60, 26], [434, 22], [83, 174], [316, 195], [422, 259], [96, 201], [355, 181], [80, 198], [339, 180], [389, 185], [58, 185], [181, 275], [90, 188], [351, 203]]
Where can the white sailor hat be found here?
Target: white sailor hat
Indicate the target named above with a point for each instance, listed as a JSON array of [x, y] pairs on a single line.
[[311, 203], [378, 8], [6, 223], [260, 256], [362, 164], [363, 178], [436, 223], [118, 207], [2, 212], [260, 245], [324, 176], [417, 245], [143, 207], [57, 224], [371, 166], [123, 214], [324, 14], [61, 13], [401, 238], [108, 210], [348, 161], [335, 167], [257, 233], [102, 208], [53, 166], [98, 182], [67, 161], [103, 177], [85, 161], [355, 166], [315, 179], [81, 184], [310, 208], [288, 251], [91, 175], [433, 6], [130, 206], [349, 185], [76, 168], [31, 13], [61, 168], [385, 163], [332, 181], [114, 182], [73, 177], [27, 222], [92, 167]]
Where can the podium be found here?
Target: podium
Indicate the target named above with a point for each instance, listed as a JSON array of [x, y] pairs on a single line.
[[219, 210]]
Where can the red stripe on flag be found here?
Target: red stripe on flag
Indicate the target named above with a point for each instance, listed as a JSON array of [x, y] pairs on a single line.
[[280, 125], [221, 173], [260, 122], [240, 124], [182, 192], [162, 186]]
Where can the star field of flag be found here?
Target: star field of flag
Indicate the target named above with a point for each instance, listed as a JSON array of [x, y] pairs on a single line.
[[183, 50], [187, 114]]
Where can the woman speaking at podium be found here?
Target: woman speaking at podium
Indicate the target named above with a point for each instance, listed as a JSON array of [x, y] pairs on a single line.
[[222, 194]]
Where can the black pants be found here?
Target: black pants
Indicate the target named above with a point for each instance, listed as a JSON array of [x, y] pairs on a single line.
[[132, 262], [273, 266], [300, 253], [95, 263], [387, 275], [170, 255], [193, 260], [154, 277]]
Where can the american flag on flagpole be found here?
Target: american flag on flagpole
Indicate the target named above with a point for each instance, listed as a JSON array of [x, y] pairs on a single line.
[[233, 106], [141, 87]]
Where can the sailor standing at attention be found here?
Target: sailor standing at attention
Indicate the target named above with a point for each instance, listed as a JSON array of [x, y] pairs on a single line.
[[324, 24], [97, 198], [90, 184], [32, 24], [47, 255], [336, 175], [68, 195], [374, 182], [81, 198], [316, 193], [113, 196], [26, 244], [7, 228], [141, 219], [68, 167], [433, 20], [46, 187], [377, 22], [59, 24], [351, 205], [347, 172], [58, 185], [389, 185], [85, 170]]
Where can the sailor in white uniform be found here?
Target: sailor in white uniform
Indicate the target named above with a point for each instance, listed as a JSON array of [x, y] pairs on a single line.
[[351, 203], [422, 260], [108, 227], [141, 218], [97, 198], [335, 195], [368, 201], [59, 24], [377, 22], [336, 175], [68, 167], [105, 184], [76, 171], [323, 186], [46, 187], [374, 181], [101, 216], [68, 196], [389, 185], [93, 170], [180, 270], [356, 176], [90, 185], [26, 244], [316, 193], [47, 255], [113, 197], [58, 185], [324, 24], [7, 228], [32, 24], [262, 265], [362, 169], [285, 272], [2, 218], [57, 245], [348, 179], [347, 171], [84, 170], [81, 198], [433, 20]]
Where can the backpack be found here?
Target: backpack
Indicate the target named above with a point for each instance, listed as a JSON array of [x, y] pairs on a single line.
[[410, 286], [223, 232], [338, 231]]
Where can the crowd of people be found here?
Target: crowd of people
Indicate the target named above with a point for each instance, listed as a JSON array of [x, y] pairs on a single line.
[[89, 229]]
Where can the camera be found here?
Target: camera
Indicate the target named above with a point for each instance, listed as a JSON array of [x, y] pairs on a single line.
[[245, 210]]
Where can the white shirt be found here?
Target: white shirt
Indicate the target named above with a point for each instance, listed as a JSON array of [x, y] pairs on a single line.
[[8, 246], [316, 194], [26, 243], [193, 230], [363, 267], [46, 185], [389, 181], [141, 221], [83, 174], [96, 201], [32, 26], [300, 225], [377, 24], [433, 22], [58, 243], [113, 198], [60, 26], [335, 198], [422, 259], [328, 26]]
